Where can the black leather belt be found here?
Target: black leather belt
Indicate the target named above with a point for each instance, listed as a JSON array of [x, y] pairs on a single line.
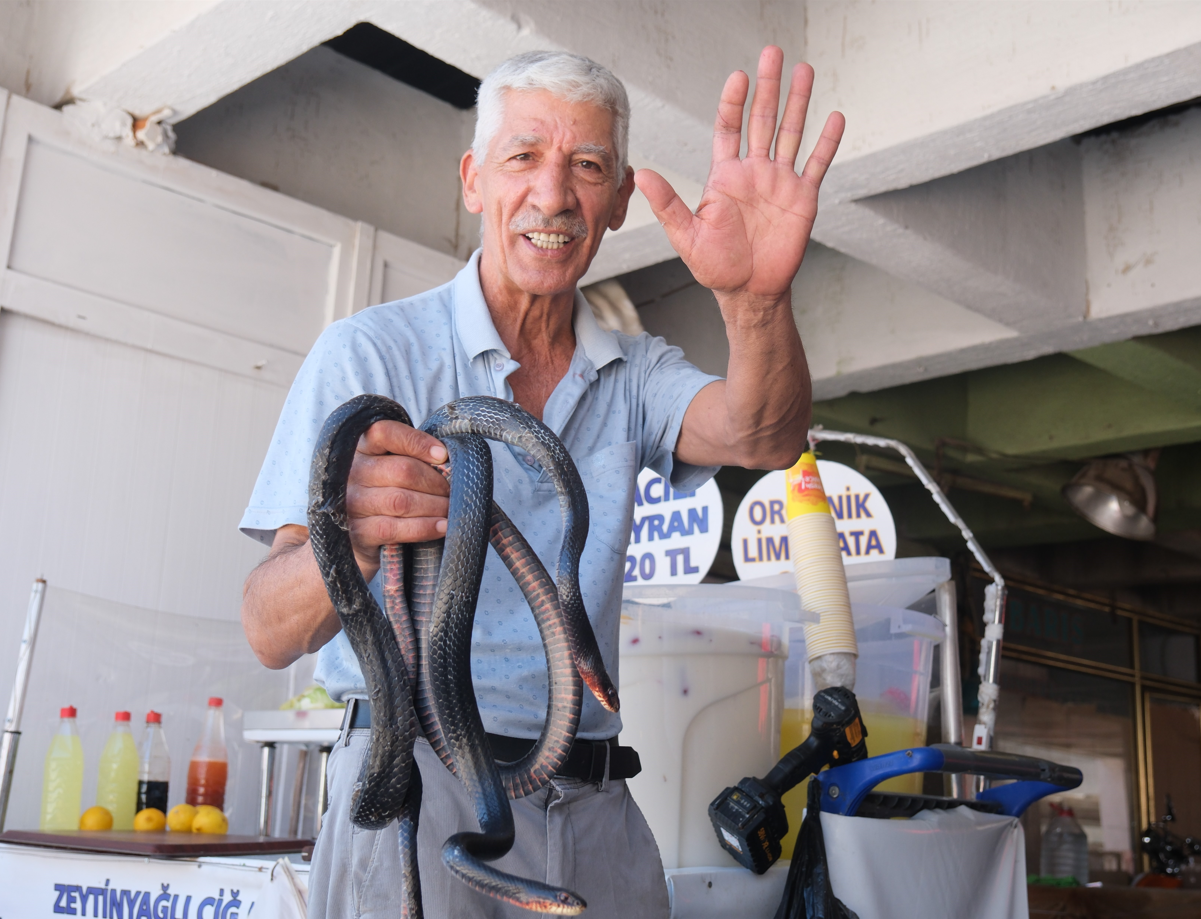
[[587, 760]]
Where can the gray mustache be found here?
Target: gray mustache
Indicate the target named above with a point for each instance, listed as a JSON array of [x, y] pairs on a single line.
[[567, 224]]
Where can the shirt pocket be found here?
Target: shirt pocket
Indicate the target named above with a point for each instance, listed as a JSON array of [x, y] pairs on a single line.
[[609, 477]]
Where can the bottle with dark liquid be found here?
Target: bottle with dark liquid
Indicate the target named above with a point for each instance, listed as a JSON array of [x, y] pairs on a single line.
[[209, 766], [154, 769]]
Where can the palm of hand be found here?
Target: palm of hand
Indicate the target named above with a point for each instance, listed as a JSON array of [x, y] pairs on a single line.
[[750, 231], [749, 234]]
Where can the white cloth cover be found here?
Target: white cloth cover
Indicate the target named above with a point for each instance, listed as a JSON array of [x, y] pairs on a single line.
[[957, 864], [285, 895]]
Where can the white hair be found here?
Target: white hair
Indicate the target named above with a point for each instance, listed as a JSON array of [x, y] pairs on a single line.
[[567, 76]]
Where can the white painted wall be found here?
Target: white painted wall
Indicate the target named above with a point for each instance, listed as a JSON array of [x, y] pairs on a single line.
[[153, 313], [335, 133]]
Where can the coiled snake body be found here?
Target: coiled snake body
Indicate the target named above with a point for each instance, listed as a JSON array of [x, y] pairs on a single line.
[[415, 654]]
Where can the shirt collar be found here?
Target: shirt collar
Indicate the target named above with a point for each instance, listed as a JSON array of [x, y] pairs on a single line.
[[477, 332]]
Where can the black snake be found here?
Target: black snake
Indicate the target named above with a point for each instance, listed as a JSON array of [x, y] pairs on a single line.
[[415, 654]]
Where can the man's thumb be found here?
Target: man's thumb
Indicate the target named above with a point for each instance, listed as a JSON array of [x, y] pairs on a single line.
[[669, 208]]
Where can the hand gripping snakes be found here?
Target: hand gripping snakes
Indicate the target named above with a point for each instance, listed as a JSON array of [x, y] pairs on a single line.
[[415, 655]]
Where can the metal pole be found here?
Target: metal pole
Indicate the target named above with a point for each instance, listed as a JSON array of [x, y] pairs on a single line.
[[322, 791], [297, 816], [266, 788], [994, 594], [16, 703], [951, 697]]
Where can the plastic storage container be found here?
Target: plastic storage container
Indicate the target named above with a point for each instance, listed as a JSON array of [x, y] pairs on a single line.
[[892, 684], [895, 582], [62, 779], [1065, 847], [702, 692]]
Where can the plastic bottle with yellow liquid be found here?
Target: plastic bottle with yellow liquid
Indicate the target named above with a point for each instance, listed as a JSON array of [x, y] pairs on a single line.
[[62, 780], [117, 782]]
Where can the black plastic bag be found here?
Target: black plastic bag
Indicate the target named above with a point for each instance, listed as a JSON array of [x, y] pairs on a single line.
[[807, 894]]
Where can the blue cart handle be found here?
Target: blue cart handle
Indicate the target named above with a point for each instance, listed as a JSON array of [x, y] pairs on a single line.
[[845, 787]]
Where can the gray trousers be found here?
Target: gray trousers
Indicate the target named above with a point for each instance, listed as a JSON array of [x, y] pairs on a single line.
[[590, 839]]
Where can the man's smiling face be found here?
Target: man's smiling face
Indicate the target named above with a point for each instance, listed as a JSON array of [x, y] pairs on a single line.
[[547, 191]]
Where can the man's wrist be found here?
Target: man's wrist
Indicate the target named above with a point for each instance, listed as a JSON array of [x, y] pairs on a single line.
[[754, 310]]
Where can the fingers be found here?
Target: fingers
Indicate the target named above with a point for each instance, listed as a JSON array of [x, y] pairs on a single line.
[[670, 209], [394, 494], [761, 126], [827, 145], [367, 534], [394, 437], [792, 125], [727, 130], [394, 502], [397, 472]]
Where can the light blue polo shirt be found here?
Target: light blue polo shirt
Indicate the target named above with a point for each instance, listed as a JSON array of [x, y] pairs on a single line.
[[618, 409]]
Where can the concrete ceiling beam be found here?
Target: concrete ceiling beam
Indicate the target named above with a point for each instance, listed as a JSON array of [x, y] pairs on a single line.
[[1169, 365], [1005, 239], [932, 88]]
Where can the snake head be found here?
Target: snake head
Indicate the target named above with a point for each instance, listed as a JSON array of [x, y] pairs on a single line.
[[602, 688], [564, 903], [611, 701]]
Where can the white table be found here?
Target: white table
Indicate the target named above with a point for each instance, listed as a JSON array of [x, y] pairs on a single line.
[[318, 727]]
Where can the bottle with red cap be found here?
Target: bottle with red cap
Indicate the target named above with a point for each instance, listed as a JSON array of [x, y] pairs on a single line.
[[117, 781], [154, 770], [209, 767], [62, 780]]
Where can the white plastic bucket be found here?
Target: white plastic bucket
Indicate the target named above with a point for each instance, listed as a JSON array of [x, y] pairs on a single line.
[[702, 693]]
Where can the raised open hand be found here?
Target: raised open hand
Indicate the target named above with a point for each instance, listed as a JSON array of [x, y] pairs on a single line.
[[748, 236]]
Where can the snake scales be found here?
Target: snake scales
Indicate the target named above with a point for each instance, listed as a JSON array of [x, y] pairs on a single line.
[[415, 654]]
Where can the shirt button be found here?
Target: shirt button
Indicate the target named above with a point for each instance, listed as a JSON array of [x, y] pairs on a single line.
[[498, 366]]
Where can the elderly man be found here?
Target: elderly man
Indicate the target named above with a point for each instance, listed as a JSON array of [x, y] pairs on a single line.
[[547, 171]]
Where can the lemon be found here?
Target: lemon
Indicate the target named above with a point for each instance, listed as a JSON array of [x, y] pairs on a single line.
[[150, 820], [181, 817], [96, 818], [209, 819]]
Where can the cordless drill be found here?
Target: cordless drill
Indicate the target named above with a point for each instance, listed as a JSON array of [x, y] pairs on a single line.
[[749, 818]]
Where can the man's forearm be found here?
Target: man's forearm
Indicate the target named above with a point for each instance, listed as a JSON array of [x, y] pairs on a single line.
[[286, 611], [759, 416], [768, 393]]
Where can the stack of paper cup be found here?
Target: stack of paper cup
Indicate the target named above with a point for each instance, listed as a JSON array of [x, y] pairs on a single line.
[[820, 577]]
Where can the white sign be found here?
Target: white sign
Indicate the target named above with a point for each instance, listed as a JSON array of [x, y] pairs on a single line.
[[46, 882], [675, 533], [866, 532]]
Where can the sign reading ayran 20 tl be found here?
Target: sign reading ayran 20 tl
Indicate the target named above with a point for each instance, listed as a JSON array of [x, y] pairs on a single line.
[[866, 532], [675, 534]]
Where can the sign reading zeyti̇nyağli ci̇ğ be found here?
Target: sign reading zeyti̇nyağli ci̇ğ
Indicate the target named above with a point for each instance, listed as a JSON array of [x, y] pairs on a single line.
[[675, 534], [866, 532]]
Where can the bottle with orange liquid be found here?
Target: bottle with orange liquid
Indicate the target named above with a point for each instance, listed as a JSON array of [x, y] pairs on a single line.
[[209, 766]]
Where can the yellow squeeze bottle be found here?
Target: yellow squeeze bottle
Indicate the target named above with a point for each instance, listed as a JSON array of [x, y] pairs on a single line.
[[62, 779], [117, 783]]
